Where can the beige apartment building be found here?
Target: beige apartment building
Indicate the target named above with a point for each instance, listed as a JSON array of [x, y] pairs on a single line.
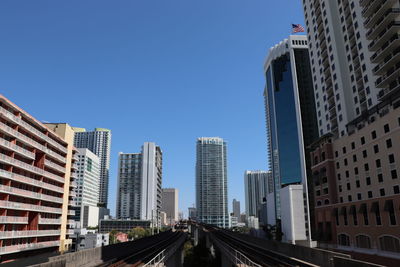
[[35, 182], [357, 185]]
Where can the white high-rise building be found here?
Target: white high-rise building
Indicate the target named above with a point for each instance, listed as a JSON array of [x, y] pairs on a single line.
[[99, 142], [139, 183], [342, 72], [256, 189], [211, 182], [170, 204], [87, 190]]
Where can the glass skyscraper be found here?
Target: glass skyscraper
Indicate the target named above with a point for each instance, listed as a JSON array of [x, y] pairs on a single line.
[[290, 113], [211, 182]]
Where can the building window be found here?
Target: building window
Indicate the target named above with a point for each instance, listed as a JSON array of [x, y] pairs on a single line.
[[362, 140], [386, 128], [394, 174], [364, 153], [389, 207], [389, 243], [376, 149], [363, 241], [344, 240], [389, 143], [378, 163], [375, 209], [358, 183], [380, 177], [396, 189], [382, 192], [354, 158], [369, 194]]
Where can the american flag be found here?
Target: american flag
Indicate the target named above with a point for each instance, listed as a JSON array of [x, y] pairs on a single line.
[[297, 28]]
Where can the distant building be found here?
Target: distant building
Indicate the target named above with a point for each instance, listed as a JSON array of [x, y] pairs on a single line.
[[87, 190], [170, 204], [163, 218], [234, 221], [255, 184], [121, 225], [236, 208], [211, 182], [84, 239], [192, 213], [139, 184], [99, 142], [252, 222], [243, 218]]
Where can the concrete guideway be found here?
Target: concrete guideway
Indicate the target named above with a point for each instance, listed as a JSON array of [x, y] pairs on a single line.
[[243, 250]]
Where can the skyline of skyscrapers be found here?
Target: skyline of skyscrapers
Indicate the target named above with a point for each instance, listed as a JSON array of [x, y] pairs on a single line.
[[236, 208], [211, 181], [99, 142]]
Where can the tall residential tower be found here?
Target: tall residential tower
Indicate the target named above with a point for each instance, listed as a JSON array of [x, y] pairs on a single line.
[[139, 193], [211, 182]]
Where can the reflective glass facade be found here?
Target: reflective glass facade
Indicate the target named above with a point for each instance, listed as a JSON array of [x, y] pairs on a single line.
[[287, 139]]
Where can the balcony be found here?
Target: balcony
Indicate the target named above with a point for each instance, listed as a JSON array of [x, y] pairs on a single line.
[[32, 129], [13, 220], [70, 231], [386, 49], [389, 16], [387, 63], [54, 166], [9, 160], [375, 10], [71, 212], [27, 180], [75, 157], [17, 149], [49, 221], [385, 35], [29, 194], [21, 137], [23, 206], [386, 79], [28, 246], [29, 233], [73, 184], [71, 222], [72, 203]]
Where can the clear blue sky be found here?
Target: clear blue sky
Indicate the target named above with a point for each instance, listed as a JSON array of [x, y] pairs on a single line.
[[161, 71]]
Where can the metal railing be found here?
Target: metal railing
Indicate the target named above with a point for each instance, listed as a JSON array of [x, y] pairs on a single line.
[[29, 233], [29, 194], [49, 221], [28, 246], [16, 148], [23, 206], [14, 219], [54, 166], [30, 181]]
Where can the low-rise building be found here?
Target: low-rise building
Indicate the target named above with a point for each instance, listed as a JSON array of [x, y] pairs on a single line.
[[121, 225]]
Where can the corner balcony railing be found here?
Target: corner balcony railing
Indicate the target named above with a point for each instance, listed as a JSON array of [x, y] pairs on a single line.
[[32, 129], [23, 206], [13, 220], [71, 212], [54, 166], [30, 168], [29, 233], [49, 221], [15, 148], [30, 181], [28, 246], [29, 194]]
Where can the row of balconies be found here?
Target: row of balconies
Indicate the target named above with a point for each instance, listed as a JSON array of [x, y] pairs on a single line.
[[25, 139], [49, 221], [28, 194], [387, 62], [28, 246], [33, 130], [386, 48], [9, 160], [374, 8], [28, 180], [13, 220], [5, 204], [54, 166], [28, 233], [391, 75], [17, 149], [389, 16]]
